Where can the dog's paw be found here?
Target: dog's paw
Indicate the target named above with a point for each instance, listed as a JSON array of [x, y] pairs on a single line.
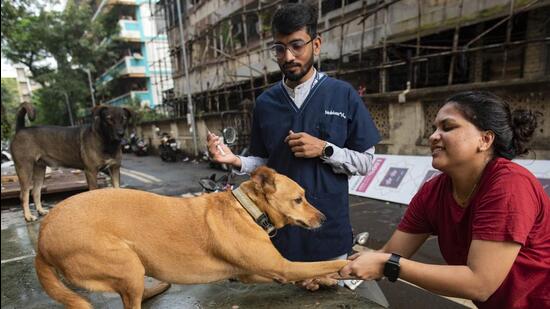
[[30, 218], [326, 281], [43, 212]]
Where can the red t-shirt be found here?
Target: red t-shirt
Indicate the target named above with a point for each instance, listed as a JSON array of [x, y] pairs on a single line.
[[509, 205]]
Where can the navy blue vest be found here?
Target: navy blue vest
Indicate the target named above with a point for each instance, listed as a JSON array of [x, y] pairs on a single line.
[[334, 112]]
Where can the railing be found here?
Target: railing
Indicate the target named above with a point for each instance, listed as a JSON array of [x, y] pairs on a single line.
[[143, 97], [106, 5], [129, 65], [129, 30]]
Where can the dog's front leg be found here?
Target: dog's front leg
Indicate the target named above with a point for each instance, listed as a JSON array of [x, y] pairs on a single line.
[[298, 271], [254, 279], [115, 175], [91, 178]]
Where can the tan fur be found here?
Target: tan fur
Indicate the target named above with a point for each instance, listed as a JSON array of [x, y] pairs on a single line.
[[108, 239]]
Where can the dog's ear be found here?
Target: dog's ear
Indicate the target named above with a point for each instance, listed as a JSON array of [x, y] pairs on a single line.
[[131, 115], [264, 179], [96, 116]]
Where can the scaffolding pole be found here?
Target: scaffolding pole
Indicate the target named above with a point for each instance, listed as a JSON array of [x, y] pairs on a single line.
[[455, 44], [509, 27], [190, 108]]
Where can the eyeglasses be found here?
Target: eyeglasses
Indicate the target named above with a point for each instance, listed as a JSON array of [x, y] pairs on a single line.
[[296, 48]]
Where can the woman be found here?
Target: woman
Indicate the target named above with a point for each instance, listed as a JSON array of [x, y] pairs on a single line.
[[491, 216]]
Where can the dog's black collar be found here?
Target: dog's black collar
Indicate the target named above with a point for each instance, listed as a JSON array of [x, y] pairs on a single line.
[[261, 218]]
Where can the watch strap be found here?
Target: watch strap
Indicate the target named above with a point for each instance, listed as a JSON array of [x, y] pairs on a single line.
[[394, 258]]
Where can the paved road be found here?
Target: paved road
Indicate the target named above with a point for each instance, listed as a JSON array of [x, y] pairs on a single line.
[[20, 288]]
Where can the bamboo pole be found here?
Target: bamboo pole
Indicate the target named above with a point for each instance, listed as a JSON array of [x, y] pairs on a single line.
[[509, 28]]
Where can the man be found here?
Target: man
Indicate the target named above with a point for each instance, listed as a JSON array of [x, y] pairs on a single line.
[[311, 128]]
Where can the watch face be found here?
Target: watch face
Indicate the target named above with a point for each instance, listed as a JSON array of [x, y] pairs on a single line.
[[328, 151]]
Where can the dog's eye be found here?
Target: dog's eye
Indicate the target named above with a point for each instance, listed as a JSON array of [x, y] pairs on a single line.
[[298, 200]]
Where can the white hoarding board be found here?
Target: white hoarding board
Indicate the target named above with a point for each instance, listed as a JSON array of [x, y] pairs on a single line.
[[398, 178]]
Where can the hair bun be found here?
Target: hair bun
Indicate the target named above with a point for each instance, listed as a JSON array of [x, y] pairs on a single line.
[[524, 123]]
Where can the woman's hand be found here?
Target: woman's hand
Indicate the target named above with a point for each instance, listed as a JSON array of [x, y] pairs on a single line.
[[365, 265]]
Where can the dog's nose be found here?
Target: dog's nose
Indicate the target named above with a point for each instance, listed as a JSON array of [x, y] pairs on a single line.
[[120, 133]]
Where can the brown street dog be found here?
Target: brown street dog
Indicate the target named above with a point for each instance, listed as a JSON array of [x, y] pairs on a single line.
[[108, 239], [89, 148]]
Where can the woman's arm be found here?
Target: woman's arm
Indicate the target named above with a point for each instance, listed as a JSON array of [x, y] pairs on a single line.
[[404, 244], [488, 265]]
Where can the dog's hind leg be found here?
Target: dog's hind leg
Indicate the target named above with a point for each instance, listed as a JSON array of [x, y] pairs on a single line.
[[91, 178], [155, 290], [115, 175], [24, 173], [38, 175], [106, 264], [131, 285]]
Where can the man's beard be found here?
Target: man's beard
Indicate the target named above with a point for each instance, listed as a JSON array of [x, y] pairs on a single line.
[[296, 76]]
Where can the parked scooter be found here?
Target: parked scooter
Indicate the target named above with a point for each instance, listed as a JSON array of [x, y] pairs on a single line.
[[6, 155], [125, 145], [138, 146], [168, 148]]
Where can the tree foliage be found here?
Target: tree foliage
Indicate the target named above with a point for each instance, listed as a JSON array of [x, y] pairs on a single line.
[[10, 101], [33, 36]]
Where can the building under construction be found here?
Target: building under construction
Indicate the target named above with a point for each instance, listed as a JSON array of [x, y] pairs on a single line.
[[403, 56]]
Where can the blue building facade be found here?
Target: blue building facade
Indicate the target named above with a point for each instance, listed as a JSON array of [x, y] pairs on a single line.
[[137, 74]]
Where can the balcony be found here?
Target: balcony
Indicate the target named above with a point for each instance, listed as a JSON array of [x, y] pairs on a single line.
[[129, 66], [106, 5], [143, 97], [129, 30]]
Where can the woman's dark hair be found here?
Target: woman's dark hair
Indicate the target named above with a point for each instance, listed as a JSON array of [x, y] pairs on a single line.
[[513, 130], [294, 17]]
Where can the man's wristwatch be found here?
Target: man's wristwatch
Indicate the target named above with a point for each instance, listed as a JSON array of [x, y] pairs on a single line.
[[328, 151], [391, 268]]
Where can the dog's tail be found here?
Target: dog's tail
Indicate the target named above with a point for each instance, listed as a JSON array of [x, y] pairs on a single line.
[[55, 288], [24, 109]]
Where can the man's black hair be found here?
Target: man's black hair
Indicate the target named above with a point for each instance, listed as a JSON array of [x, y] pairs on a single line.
[[294, 17]]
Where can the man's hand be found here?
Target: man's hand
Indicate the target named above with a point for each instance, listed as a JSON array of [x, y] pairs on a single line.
[[214, 148], [304, 145], [365, 265]]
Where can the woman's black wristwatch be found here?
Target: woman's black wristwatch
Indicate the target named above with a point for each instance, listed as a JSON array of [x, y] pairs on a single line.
[[391, 268]]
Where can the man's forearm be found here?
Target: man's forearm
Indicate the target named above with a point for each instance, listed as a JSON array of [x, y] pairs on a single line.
[[247, 165], [350, 162]]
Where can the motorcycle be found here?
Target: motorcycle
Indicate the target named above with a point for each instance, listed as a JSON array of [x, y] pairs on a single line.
[[6, 155], [125, 145], [211, 184], [169, 149], [138, 146]]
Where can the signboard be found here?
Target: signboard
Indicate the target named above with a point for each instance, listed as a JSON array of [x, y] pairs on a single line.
[[398, 178]]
